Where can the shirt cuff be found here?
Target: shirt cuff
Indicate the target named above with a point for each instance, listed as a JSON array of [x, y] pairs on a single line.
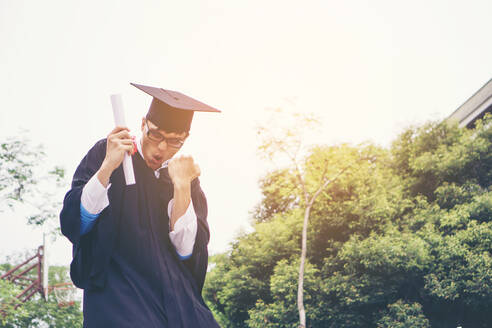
[[185, 229], [94, 197], [87, 220]]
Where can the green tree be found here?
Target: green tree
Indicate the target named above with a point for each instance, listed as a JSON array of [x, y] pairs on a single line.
[[402, 239], [282, 311], [403, 315], [9, 304], [25, 181], [312, 174]]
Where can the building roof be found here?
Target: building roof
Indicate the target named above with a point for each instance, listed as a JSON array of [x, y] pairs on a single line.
[[475, 107]]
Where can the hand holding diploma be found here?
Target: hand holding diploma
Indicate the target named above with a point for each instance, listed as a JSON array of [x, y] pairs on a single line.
[[119, 119], [119, 148], [119, 144]]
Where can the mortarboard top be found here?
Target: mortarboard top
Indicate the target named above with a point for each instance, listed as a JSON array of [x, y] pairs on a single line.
[[172, 111]]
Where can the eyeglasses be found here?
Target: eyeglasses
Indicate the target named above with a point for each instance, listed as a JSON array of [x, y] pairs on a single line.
[[155, 135]]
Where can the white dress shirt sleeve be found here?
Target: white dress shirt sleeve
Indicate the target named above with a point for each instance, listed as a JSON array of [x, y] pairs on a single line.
[[94, 196], [184, 233]]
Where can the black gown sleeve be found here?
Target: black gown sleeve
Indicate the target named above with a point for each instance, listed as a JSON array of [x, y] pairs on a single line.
[[198, 261], [84, 261]]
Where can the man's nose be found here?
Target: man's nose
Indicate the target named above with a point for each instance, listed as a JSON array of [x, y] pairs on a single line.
[[162, 145]]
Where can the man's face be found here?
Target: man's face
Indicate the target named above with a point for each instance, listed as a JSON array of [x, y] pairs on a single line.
[[154, 152]]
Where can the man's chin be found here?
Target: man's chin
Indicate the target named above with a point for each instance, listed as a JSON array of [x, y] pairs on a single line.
[[153, 164]]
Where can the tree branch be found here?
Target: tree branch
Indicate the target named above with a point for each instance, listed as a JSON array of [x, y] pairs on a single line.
[[326, 183]]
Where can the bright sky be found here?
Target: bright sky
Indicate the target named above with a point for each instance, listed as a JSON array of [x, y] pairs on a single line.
[[367, 68]]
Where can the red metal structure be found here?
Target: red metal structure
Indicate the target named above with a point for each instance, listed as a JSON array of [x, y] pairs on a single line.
[[20, 276], [64, 293]]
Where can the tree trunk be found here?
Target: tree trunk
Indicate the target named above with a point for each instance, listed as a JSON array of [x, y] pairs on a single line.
[[300, 288]]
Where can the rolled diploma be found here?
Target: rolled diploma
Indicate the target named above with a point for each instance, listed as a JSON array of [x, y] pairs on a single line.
[[119, 120]]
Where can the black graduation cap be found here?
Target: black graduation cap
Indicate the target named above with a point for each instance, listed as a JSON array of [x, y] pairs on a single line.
[[172, 111]]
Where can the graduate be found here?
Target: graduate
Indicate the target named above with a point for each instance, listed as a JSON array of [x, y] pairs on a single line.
[[140, 251]]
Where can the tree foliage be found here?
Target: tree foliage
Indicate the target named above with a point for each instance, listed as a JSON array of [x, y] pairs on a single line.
[[402, 240], [26, 181]]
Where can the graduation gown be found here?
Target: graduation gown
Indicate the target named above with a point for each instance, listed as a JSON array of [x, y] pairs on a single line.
[[127, 265]]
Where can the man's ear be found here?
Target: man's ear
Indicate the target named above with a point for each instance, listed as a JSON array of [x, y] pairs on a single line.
[[142, 128]]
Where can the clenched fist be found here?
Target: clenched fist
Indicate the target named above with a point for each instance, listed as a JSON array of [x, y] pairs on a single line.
[[182, 170]]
